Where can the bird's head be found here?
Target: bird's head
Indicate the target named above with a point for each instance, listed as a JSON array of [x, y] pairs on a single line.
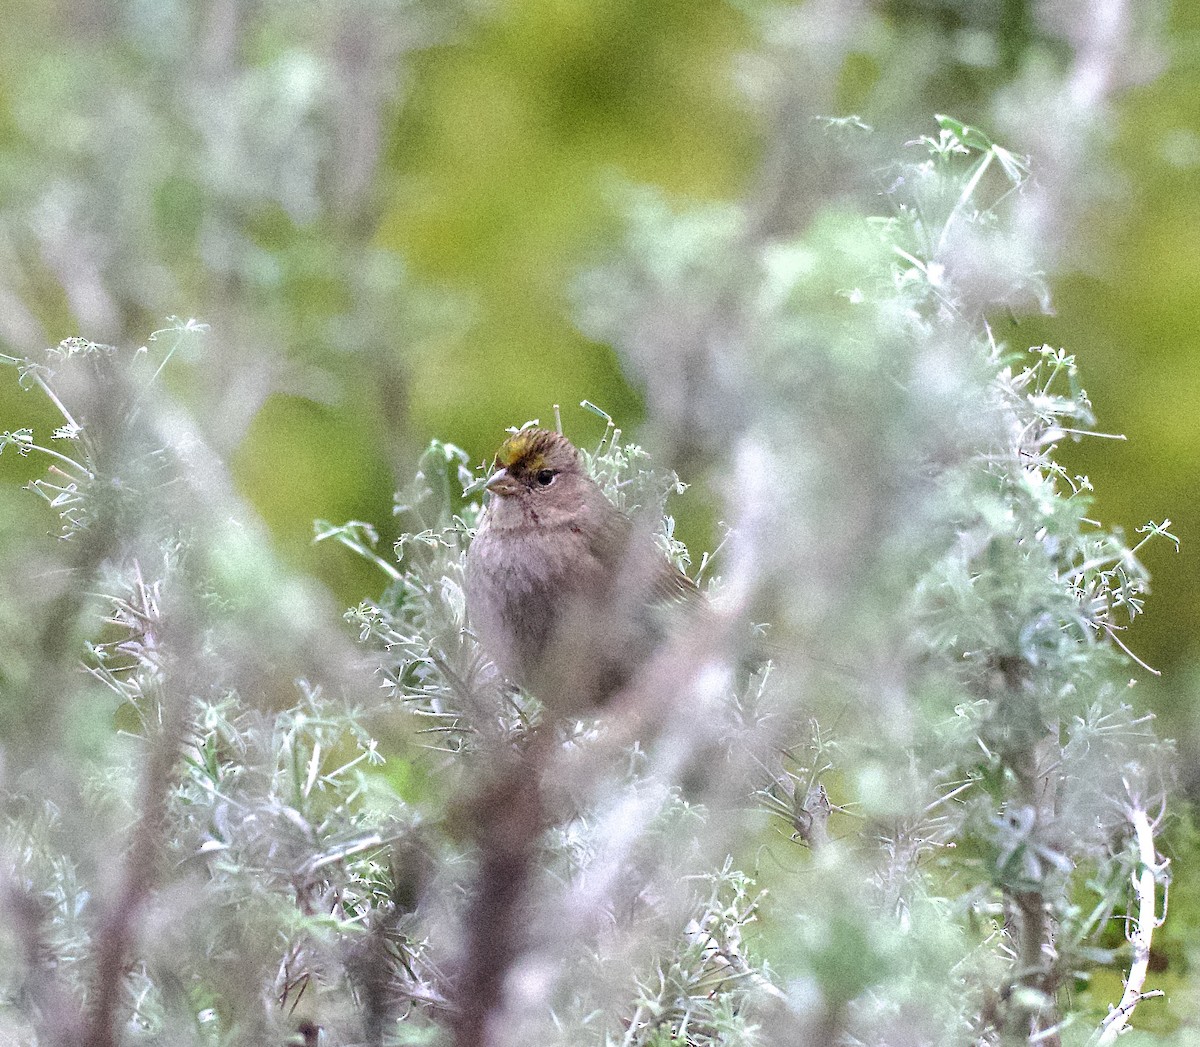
[[532, 462]]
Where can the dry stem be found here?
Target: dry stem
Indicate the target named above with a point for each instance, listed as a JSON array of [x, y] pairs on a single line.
[[1147, 921]]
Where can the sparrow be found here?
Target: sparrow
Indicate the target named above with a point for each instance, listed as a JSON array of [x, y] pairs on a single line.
[[567, 595]]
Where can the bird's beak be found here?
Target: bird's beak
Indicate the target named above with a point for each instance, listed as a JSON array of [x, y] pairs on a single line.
[[502, 484]]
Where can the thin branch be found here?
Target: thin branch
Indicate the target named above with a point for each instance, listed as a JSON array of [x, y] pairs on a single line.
[[120, 923], [1143, 885], [61, 1016], [509, 818], [1112, 635], [53, 397]]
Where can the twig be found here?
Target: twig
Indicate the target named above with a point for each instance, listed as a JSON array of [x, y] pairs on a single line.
[[120, 922], [1112, 635], [509, 818], [120, 925], [634, 1024], [1147, 921], [61, 1015], [53, 398]]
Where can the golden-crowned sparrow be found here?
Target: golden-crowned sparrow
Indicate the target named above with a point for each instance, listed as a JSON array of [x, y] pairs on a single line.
[[567, 594]]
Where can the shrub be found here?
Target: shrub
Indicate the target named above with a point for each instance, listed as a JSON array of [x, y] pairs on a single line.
[[889, 790]]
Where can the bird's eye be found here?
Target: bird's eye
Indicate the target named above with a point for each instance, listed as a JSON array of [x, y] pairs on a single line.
[[545, 477]]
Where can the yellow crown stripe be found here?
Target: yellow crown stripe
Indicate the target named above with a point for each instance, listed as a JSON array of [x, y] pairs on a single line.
[[525, 448]]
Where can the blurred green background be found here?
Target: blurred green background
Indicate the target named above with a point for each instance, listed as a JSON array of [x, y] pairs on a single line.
[[380, 207]]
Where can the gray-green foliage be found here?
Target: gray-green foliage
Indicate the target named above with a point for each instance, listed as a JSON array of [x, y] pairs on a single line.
[[279, 833], [950, 609]]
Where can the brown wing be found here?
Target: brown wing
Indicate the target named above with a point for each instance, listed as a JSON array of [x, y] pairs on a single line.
[[629, 548], [673, 584]]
